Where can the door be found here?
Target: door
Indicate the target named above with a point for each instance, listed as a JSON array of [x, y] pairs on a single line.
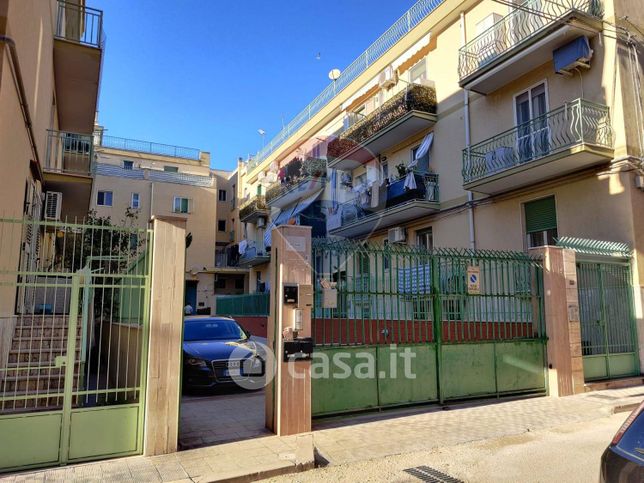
[[191, 294], [608, 337], [533, 136]]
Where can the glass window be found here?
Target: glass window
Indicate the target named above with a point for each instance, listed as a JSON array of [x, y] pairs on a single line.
[[425, 238], [104, 198], [418, 73], [221, 225], [181, 205], [540, 222], [129, 165], [136, 202], [423, 163], [171, 169], [222, 195], [212, 329]]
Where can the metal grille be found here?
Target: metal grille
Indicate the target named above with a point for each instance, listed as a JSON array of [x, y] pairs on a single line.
[[149, 147], [78, 23], [431, 475]]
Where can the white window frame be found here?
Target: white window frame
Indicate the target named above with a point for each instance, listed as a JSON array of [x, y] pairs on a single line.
[[528, 90], [104, 192], [424, 75], [174, 205], [138, 201], [524, 228]]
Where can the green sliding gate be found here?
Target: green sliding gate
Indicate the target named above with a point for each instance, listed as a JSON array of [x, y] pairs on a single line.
[[411, 325], [608, 337], [73, 341]]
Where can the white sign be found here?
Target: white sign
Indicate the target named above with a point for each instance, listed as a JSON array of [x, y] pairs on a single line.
[[473, 280], [296, 244]]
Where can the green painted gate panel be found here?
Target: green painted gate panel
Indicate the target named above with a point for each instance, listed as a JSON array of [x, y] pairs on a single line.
[[103, 432], [338, 394], [520, 366], [394, 387], [621, 365], [467, 370], [29, 440]]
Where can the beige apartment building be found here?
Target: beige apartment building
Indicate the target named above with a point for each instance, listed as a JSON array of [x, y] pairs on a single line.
[[470, 123]]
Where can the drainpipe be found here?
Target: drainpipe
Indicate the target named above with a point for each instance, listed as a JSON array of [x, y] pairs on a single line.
[[22, 97], [466, 117]]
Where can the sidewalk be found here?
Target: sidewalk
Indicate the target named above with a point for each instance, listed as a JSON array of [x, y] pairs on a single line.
[[350, 439]]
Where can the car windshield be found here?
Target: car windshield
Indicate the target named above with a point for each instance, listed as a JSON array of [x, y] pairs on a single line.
[[212, 329]]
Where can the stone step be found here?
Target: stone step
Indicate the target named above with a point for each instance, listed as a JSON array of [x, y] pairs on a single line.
[[40, 357], [42, 385], [43, 321], [43, 332], [37, 344], [614, 383], [42, 402], [15, 369]]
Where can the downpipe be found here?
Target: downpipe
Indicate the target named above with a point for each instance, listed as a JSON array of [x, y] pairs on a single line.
[[466, 118]]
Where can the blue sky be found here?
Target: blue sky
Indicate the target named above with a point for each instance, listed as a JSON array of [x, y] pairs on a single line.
[[209, 73]]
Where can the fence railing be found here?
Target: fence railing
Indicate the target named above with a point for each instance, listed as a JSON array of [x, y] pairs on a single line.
[[574, 123], [148, 147], [254, 205], [255, 304], [416, 14], [516, 27], [81, 24], [414, 97], [69, 153]]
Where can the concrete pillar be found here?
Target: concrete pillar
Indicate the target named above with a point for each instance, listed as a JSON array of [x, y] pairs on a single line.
[[163, 391], [288, 396], [561, 310]]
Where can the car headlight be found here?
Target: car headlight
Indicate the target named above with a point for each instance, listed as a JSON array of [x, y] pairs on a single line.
[[196, 362]]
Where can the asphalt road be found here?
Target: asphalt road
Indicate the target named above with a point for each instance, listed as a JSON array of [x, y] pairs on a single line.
[[569, 453]]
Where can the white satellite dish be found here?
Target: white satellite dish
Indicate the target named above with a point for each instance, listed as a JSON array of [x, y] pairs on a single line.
[[334, 75]]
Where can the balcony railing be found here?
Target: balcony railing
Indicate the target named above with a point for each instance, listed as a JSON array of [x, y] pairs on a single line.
[[69, 153], [256, 206], [579, 122], [80, 24], [297, 172], [521, 24], [414, 97], [125, 144], [255, 254]]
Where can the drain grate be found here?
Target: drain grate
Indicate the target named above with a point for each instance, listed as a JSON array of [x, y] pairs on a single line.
[[431, 475]]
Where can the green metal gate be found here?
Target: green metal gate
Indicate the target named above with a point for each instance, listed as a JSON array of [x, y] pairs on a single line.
[[473, 321], [608, 330], [73, 341]]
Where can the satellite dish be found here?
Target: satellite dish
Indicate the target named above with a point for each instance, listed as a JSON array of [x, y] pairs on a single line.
[[334, 74]]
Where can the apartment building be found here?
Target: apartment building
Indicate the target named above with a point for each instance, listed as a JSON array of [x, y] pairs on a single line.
[[470, 123]]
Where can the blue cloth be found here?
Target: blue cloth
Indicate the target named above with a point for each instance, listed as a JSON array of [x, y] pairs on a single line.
[[567, 55]]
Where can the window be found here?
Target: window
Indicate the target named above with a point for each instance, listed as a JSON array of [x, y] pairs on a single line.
[[136, 202], [129, 165], [530, 108], [259, 190], [104, 198], [425, 239], [540, 222], [220, 283], [423, 163], [239, 283], [181, 205], [222, 195], [418, 73], [221, 225], [170, 169]]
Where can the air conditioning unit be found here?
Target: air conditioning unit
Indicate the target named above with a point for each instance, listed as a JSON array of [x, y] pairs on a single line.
[[261, 222], [53, 205], [387, 78], [396, 235]]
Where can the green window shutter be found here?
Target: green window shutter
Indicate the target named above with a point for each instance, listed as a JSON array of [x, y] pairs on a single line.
[[540, 215]]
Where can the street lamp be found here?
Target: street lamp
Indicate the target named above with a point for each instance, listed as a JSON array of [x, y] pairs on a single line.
[[262, 133]]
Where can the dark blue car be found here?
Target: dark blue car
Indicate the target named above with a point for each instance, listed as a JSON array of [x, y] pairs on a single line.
[[623, 460], [217, 351]]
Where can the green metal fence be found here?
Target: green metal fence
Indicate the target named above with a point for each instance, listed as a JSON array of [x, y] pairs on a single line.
[[473, 320], [254, 304], [74, 309]]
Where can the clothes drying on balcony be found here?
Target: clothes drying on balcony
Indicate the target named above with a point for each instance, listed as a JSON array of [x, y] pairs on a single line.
[[422, 150], [574, 54], [286, 214]]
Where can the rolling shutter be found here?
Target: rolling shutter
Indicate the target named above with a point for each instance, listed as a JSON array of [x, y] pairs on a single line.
[[540, 215]]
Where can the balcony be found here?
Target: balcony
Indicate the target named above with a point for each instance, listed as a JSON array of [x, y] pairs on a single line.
[[524, 40], [398, 203], [253, 209], [299, 179], [124, 144], [407, 113], [255, 254], [574, 136], [78, 57]]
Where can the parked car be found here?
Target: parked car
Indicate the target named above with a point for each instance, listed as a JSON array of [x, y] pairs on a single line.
[[217, 351], [623, 460]]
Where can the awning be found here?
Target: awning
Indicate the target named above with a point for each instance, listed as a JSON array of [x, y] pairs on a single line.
[[286, 214], [411, 51]]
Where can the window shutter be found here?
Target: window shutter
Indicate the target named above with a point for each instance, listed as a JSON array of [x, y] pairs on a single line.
[[540, 215]]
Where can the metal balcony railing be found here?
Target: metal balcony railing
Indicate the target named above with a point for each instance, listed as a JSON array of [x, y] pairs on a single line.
[[518, 26], [69, 153], [80, 24], [295, 173], [254, 252], [148, 147], [575, 123], [253, 205], [414, 97], [415, 15]]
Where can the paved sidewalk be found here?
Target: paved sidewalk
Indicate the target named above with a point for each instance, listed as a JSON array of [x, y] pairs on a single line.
[[350, 439]]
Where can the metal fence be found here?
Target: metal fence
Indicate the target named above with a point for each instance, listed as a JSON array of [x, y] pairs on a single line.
[[69, 152], [149, 147], [255, 304], [518, 26], [415, 15], [79, 23], [576, 122]]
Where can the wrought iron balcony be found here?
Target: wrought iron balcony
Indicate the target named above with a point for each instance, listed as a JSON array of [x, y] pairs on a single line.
[[253, 209], [574, 136], [397, 202], [69, 153], [255, 254], [125, 144], [298, 179], [79, 24], [523, 40], [407, 113]]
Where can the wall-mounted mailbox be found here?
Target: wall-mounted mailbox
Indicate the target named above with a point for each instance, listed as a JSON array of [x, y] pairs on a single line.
[[290, 293], [300, 349], [305, 296]]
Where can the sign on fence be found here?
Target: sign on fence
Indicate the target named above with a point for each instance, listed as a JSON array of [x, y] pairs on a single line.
[[473, 280]]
